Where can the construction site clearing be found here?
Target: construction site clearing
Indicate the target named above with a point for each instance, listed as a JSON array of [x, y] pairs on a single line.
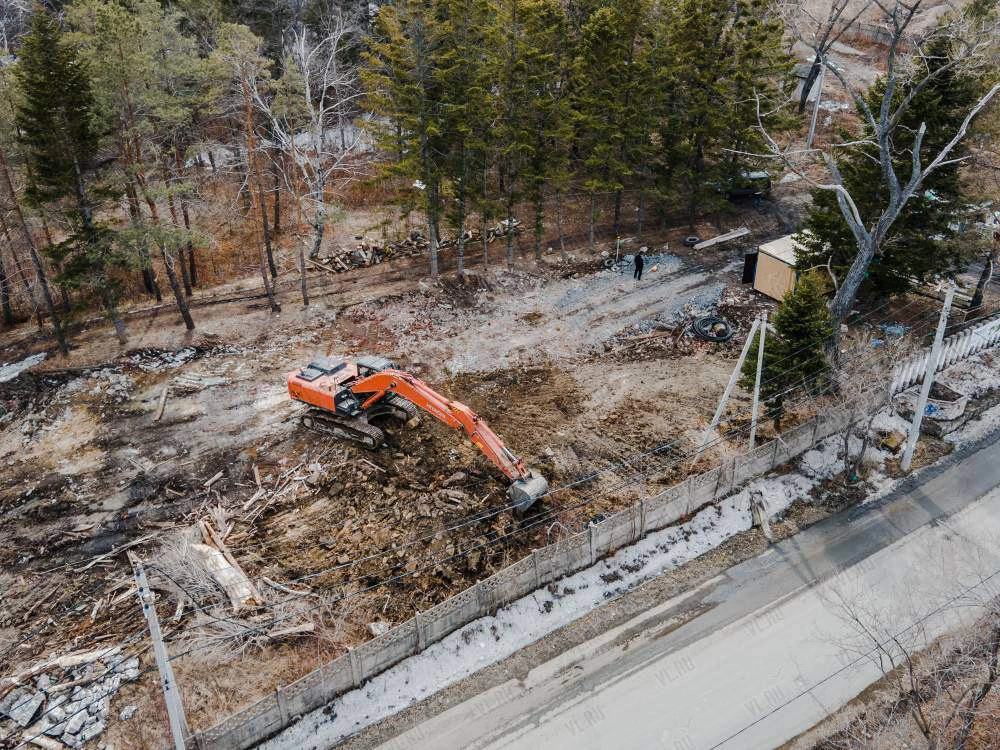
[[265, 539]]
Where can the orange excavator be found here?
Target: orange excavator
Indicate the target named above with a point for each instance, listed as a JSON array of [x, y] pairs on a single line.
[[352, 396]]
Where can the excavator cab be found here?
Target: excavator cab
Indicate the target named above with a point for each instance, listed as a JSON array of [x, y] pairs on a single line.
[[355, 398]]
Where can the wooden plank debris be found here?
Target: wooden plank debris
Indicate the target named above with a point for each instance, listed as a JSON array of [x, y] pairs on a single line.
[[162, 404], [213, 480], [734, 234]]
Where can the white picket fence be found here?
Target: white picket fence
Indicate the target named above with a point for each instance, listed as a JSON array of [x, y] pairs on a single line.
[[960, 346]]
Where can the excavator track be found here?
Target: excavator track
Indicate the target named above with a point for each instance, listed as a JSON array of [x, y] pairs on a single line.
[[353, 430], [404, 406]]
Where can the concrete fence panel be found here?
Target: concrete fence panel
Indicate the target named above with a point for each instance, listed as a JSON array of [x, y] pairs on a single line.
[[703, 488], [245, 728], [662, 509], [511, 583], [547, 563], [758, 461], [574, 552], [451, 614], [726, 477], [618, 530], [383, 651]]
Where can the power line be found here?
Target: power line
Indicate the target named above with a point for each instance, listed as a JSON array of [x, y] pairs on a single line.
[[855, 661]]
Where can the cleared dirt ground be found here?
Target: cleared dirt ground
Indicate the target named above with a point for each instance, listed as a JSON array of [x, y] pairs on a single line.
[[552, 355]]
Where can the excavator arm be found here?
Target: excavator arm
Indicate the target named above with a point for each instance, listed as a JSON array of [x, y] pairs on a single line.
[[527, 485]]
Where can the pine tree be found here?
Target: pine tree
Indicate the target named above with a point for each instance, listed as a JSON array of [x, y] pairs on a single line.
[[55, 117], [923, 241], [611, 107], [549, 113], [404, 87], [462, 71], [525, 69], [713, 61], [794, 352]]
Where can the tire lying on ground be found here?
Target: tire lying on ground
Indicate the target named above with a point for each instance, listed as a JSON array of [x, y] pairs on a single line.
[[713, 328]]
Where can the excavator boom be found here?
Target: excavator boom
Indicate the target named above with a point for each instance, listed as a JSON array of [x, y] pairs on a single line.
[[348, 392]]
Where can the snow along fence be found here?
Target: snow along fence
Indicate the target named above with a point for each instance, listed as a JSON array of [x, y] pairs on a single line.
[[274, 712]]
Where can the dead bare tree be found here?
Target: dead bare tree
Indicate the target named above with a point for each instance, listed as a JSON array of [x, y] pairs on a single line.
[[309, 120], [861, 386], [14, 15], [972, 40], [934, 637], [822, 33]]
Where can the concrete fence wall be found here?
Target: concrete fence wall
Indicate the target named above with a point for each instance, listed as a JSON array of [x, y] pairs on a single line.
[[272, 713]]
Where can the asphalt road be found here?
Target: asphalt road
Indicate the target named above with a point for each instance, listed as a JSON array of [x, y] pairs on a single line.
[[760, 654]]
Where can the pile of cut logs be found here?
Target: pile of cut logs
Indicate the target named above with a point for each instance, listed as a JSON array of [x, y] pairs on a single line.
[[369, 253]]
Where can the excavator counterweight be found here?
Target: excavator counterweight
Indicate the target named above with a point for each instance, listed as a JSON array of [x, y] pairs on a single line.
[[352, 397]]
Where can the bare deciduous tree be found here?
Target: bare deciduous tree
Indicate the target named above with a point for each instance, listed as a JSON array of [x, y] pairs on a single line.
[[934, 638], [309, 120], [861, 385], [972, 39]]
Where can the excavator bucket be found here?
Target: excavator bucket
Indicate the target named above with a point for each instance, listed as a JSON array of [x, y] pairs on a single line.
[[524, 492]]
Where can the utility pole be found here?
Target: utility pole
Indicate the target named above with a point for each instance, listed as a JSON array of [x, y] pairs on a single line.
[[929, 372], [729, 389], [819, 97], [171, 694], [756, 384]]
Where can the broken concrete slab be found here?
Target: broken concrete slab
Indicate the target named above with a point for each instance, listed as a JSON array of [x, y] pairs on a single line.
[[22, 705]]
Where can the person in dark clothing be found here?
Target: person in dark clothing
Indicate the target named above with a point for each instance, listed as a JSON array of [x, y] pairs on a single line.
[[638, 267]]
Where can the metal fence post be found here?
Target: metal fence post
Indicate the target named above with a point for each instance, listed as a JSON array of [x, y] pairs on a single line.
[[690, 502]]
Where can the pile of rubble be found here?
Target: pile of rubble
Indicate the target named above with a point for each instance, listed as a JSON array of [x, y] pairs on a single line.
[[369, 253], [67, 702]]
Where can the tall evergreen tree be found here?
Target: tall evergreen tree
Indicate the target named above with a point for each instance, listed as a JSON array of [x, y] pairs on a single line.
[[465, 86], [524, 68], [549, 113], [923, 241], [55, 117], [714, 60], [404, 87], [611, 102]]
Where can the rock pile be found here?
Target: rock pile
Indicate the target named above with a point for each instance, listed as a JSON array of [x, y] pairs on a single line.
[[74, 711]]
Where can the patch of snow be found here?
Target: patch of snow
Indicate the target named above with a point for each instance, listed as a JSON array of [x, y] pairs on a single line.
[[11, 370], [976, 429]]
